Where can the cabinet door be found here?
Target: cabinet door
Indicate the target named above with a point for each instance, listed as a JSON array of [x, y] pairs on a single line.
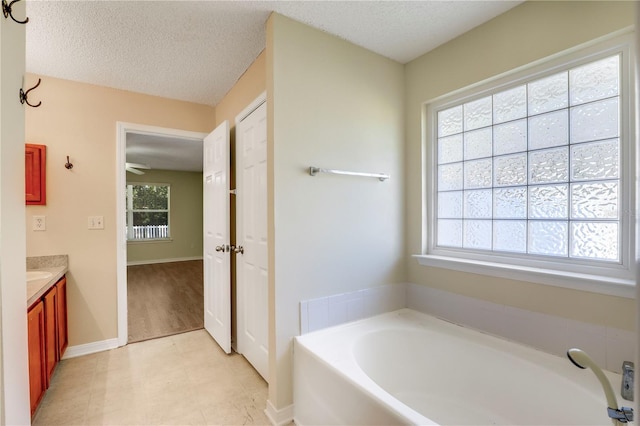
[[37, 379], [63, 339], [35, 174], [50, 326]]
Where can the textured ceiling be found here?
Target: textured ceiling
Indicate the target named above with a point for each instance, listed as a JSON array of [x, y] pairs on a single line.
[[196, 50]]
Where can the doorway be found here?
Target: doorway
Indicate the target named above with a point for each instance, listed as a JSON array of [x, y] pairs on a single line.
[[152, 141]]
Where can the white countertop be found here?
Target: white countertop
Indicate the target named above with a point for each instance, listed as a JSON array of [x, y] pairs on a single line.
[[36, 288]]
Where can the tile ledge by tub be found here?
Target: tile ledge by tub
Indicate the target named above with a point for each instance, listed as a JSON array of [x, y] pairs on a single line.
[[335, 309], [607, 345]]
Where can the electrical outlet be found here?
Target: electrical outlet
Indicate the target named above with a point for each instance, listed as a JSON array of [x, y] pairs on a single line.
[[39, 223], [96, 222]]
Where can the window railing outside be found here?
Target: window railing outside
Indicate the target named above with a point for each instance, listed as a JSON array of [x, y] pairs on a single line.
[[149, 232]]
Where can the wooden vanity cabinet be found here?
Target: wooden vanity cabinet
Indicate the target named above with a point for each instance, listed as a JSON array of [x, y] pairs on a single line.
[[36, 333], [35, 160], [48, 338], [63, 336], [50, 331]]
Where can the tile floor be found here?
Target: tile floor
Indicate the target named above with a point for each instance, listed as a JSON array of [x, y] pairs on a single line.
[[185, 379]]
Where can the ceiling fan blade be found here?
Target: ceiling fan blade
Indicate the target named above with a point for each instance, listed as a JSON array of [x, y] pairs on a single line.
[[134, 171], [137, 165]]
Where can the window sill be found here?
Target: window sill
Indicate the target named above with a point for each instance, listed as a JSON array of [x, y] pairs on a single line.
[[154, 241], [576, 281]]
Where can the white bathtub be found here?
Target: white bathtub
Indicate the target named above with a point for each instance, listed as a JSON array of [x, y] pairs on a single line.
[[405, 367]]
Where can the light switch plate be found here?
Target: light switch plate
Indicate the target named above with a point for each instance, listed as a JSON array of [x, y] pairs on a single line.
[[39, 223], [96, 222]]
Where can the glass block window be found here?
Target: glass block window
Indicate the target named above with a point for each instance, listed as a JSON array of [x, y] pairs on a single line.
[[534, 169]]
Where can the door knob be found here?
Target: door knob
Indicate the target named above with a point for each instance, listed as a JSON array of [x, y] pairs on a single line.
[[220, 248], [238, 249]]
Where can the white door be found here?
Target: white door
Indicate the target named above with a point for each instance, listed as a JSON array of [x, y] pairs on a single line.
[[217, 262], [251, 177]]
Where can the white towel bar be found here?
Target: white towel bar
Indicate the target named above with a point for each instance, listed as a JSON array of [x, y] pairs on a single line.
[[315, 170]]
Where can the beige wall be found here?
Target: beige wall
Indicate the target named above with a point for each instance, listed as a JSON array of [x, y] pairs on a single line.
[[529, 32], [330, 104], [79, 120], [251, 84], [185, 218]]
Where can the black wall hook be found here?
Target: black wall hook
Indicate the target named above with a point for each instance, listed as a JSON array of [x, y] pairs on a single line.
[[23, 94], [6, 11], [68, 165]]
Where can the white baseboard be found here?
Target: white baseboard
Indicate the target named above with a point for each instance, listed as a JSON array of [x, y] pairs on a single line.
[[153, 261], [90, 348], [279, 417]]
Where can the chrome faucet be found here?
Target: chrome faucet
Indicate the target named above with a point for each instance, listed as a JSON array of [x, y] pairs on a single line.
[[618, 415], [626, 389]]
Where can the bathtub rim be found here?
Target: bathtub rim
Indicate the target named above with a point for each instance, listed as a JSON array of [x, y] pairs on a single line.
[[375, 391], [358, 378]]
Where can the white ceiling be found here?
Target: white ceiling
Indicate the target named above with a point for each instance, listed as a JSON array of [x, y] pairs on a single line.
[[164, 153], [196, 50]]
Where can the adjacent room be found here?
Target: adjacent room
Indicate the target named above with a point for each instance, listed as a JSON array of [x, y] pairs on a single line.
[[164, 236]]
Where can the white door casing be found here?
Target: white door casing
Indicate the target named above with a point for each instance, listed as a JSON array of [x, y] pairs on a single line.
[[252, 263], [217, 261], [14, 366]]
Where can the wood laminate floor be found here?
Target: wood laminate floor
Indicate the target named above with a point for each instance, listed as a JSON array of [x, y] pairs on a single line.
[[164, 299]]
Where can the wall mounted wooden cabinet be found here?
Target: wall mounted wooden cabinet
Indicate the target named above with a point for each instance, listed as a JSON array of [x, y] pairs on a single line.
[[35, 160]]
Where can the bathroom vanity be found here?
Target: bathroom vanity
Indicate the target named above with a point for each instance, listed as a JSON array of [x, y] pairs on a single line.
[[47, 326]]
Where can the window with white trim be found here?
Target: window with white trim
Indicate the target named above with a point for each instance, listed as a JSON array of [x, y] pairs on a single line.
[[147, 211], [536, 170]]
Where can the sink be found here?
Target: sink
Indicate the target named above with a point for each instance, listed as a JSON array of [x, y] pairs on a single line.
[[38, 275]]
